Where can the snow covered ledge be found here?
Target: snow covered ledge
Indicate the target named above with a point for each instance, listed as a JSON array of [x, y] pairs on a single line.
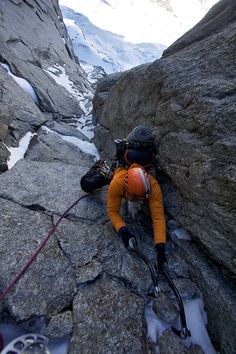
[[24, 84], [18, 153], [196, 319]]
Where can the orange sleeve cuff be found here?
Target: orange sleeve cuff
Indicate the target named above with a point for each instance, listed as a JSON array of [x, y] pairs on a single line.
[[115, 194]]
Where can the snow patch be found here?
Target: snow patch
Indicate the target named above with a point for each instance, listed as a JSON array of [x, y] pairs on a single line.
[[118, 35], [85, 125], [59, 346], [17, 153], [182, 234], [155, 327], [134, 207], [196, 321], [85, 146], [58, 73], [24, 84]]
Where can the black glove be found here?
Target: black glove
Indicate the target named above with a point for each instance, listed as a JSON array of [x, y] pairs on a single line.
[[129, 239], [161, 255]]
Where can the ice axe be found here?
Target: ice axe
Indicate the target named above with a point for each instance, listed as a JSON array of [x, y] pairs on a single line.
[[184, 331]]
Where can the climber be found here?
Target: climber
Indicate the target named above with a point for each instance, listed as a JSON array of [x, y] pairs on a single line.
[[135, 184], [128, 178], [138, 147]]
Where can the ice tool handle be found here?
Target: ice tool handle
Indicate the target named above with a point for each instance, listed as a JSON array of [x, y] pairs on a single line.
[[184, 332], [150, 266]]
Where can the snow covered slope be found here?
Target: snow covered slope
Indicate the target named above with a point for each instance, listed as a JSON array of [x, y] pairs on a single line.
[[120, 34], [104, 48]]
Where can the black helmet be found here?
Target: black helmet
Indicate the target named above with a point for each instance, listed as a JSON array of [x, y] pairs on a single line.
[[141, 137], [141, 133]]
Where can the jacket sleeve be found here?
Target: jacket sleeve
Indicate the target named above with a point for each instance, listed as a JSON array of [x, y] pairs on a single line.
[[115, 194], [157, 213]]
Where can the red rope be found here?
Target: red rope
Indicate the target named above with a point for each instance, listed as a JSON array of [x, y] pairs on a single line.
[[34, 256]]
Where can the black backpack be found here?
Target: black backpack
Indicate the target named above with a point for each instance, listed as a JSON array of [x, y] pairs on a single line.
[[141, 153]]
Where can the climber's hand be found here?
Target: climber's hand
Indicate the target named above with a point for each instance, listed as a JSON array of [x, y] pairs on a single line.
[[161, 256], [128, 238]]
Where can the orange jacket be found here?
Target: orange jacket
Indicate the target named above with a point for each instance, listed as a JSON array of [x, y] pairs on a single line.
[[116, 192]]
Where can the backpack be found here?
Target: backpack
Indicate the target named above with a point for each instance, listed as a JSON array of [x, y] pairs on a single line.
[[141, 153]]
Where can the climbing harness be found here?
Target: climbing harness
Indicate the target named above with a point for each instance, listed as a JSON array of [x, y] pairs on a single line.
[[42, 244], [27, 344], [184, 332]]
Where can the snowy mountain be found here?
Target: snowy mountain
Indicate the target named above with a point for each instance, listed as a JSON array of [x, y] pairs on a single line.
[[104, 48], [120, 34]]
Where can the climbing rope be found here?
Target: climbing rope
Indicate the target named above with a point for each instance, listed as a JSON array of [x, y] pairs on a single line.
[[42, 244]]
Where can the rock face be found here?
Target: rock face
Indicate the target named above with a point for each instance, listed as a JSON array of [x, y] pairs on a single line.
[[18, 241], [45, 44], [84, 283], [18, 115], [41, 53], [188, 98], [95, 319]]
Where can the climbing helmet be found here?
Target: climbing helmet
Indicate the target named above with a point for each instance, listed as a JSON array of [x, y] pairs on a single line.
[[141, 136], [137, 184]]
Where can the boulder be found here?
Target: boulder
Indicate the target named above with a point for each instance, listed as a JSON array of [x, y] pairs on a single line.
[[48, 186], [171, 344], [60, 325], [93, 249], [165, 310], [50, 147], [103, 88], [107, 319], [66, 130], [4, 154]]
